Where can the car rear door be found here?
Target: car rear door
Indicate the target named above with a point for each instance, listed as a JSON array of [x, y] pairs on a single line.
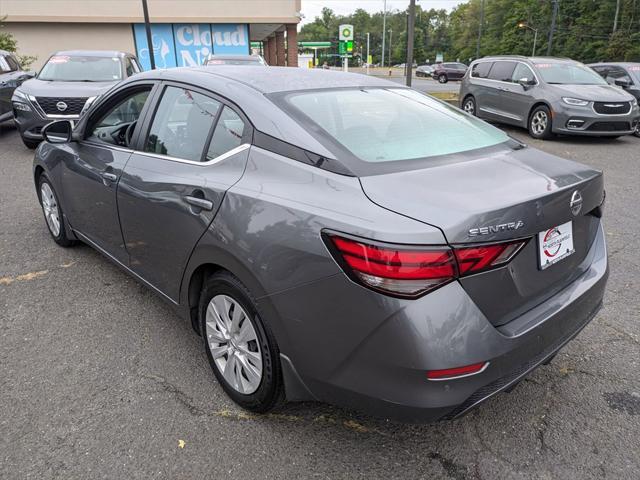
[[195, 148], [458, 70], [479, 86], [92, 168], [496, 105], [10, 77]]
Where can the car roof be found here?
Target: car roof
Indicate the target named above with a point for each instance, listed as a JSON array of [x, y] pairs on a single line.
[[234, 57], [621, 64], [533, 60], [278, 79], [93, 53], [4, 52], [248, 87]]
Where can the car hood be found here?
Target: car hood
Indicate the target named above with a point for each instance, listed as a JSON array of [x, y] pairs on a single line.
[[594, 93], [511, 186], [44, 88]]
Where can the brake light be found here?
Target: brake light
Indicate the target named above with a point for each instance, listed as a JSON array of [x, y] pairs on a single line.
[[411, 271], [479, 258], [403, 271]]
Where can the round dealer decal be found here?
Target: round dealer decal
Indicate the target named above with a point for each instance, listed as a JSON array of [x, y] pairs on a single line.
[[552, 243]]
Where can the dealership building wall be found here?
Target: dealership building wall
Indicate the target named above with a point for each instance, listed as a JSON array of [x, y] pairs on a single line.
[[184, 32]]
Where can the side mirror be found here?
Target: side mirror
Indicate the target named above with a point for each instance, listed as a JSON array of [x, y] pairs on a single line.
[[58, 132], [526, 83], [621, 82], [27, 76]]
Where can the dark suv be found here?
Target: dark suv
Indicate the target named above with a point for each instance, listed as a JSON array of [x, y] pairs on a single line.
[[623, 74], [68, 83], [444, 72], [11, 76]]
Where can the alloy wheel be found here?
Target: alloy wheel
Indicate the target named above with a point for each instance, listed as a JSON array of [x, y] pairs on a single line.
[[539, 122], [233, 343], [469, 107], [50, 207]]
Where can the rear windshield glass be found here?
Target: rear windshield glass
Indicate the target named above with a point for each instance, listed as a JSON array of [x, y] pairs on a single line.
[[64, 68], [389, 125], [568, 74]]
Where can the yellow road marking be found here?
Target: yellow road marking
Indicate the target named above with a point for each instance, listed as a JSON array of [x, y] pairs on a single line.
[[23, 278], [26, 277]]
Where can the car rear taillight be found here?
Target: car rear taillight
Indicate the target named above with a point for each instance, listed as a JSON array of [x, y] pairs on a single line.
[[483, 257], [399, 270], [410, 271]]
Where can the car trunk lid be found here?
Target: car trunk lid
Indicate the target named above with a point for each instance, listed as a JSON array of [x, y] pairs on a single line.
[[495, 198]]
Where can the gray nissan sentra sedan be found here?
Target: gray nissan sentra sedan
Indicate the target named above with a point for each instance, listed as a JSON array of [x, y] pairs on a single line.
[[547, 96], [332, 236]]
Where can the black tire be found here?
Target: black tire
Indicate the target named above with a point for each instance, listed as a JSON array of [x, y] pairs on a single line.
[[30, 144], [61, 238], [469, 105], [637, 132], [442, 78], [270, 392], [534, 123]]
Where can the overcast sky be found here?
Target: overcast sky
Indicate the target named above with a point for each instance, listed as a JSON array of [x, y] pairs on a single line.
[[312, 8]]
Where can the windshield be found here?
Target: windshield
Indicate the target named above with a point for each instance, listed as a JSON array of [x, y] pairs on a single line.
[[569, 74], [65, 68], [635, 71], [390, 125]]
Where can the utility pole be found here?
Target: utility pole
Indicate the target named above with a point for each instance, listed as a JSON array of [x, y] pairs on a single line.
[[390, 42], [410, 36], [384, 31], [480, 28], [615, 19], [554, 17], [147, 26], [368, 52]]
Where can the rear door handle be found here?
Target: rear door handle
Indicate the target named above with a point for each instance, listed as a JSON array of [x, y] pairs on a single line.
[[112, 177], [202, 203]]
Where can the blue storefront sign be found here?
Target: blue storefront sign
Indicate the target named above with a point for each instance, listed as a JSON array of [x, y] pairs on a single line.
[[188, 45], [164, 51]]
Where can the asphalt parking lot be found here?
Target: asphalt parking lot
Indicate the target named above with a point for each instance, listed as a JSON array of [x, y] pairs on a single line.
[[99, 379]]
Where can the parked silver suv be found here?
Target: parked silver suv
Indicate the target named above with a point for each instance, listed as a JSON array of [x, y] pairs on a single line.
[[547, 96]]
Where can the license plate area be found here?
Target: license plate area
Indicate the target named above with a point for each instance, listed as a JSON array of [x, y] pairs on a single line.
[[555, 244]]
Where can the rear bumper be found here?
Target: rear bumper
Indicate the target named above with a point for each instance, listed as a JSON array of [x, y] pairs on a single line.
[[381, 369]]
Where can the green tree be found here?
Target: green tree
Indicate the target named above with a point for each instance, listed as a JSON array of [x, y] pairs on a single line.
[[9, 43], [584, 30]]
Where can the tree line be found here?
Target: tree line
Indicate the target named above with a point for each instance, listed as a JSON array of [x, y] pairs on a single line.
[[585, 30]]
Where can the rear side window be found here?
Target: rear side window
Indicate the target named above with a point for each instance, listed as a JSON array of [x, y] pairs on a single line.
[[227, 135], [13, 63], [130, 67], [481, 70], [182, 124], [502, 71], [390, 125], [4, 66]]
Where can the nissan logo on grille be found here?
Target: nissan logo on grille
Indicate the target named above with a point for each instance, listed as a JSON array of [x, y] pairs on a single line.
[[61, 106]]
